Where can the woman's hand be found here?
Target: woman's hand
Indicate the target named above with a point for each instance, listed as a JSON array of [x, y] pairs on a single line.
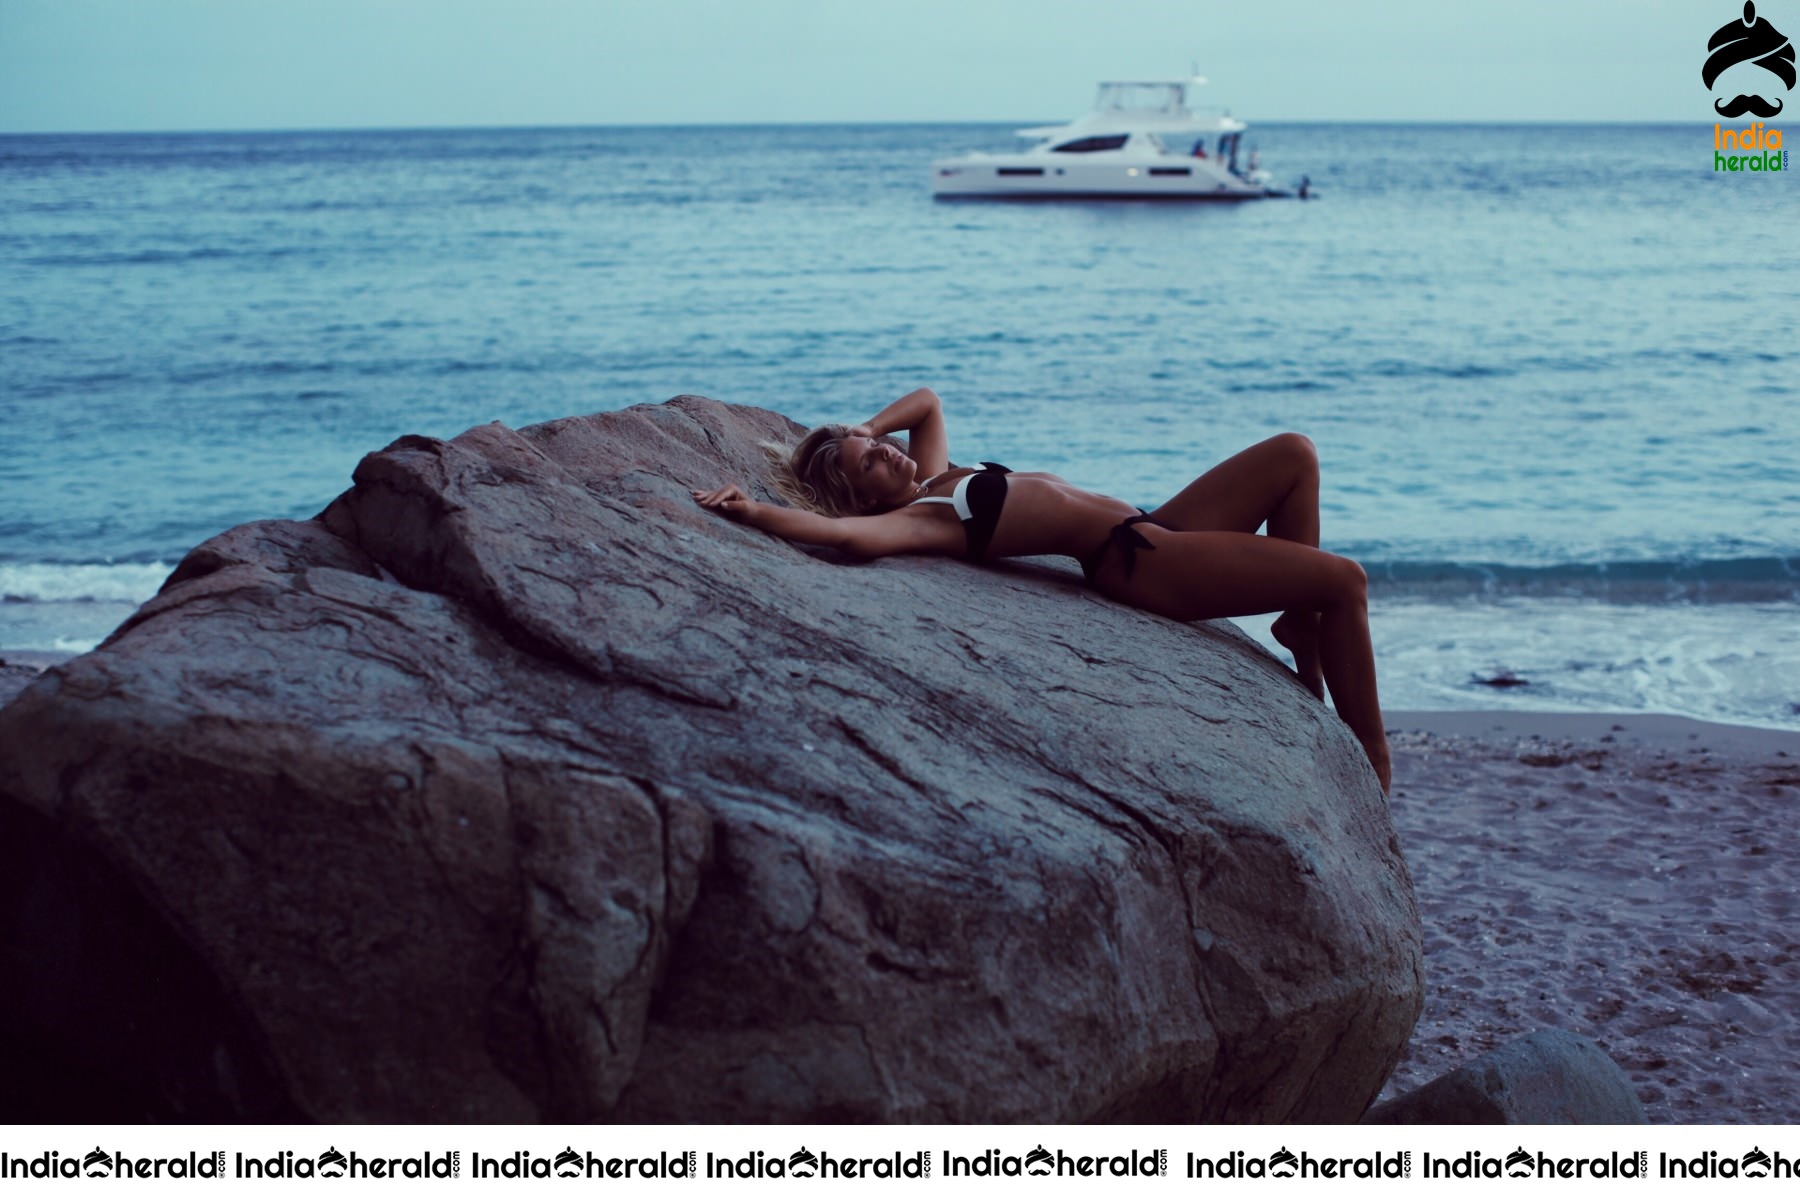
[[728, 501], [864, 431]]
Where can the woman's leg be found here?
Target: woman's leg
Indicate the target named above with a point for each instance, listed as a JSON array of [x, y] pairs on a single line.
[[1277, 482], [1199, 576]]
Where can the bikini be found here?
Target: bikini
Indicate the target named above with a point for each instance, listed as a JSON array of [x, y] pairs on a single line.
[[980, 495], [978, 498], [1128, 540]]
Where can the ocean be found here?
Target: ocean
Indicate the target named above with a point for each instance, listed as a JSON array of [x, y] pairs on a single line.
[[1550, 369]]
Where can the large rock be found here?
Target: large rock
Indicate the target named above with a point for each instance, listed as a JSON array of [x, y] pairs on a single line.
[[517, 787]]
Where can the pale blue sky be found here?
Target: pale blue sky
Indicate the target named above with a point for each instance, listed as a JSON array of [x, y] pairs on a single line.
[[68, 65]]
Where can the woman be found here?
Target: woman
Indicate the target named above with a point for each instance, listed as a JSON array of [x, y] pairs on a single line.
[[1195, 558]]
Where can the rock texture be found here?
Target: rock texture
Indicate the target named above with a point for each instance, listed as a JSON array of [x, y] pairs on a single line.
[[1550, 1077], [516, 787]]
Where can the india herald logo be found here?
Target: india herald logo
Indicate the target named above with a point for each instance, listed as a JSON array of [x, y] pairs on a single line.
[[1754, 40]]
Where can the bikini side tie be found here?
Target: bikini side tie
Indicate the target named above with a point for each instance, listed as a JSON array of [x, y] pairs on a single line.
[[1127, 540]]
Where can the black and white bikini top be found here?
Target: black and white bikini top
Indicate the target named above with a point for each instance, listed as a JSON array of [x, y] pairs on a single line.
[[978, 498]]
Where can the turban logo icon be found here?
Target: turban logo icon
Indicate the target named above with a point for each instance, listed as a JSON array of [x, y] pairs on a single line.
[[1754, 39]]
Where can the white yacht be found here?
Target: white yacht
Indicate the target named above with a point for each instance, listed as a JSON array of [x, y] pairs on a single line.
[[1141, 140]]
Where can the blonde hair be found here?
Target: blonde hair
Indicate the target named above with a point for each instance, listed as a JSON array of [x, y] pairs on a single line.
[[811, 475]]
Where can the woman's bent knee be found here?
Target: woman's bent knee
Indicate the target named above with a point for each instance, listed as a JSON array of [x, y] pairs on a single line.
[[1297, 447], [1349, 581]]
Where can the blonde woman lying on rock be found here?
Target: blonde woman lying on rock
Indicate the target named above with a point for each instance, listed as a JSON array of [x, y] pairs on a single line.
[[859, 490]]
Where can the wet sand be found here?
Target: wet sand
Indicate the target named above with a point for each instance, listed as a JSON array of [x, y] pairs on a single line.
[[1628, 878]]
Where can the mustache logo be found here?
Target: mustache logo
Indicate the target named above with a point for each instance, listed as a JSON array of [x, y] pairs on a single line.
[[1737, 106]]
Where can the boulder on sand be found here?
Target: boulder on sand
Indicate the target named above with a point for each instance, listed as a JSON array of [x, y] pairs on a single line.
[[1551, 1077], [517, 787]]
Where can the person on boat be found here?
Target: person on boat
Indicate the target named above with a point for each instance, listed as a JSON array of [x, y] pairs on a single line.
[[859, 490]]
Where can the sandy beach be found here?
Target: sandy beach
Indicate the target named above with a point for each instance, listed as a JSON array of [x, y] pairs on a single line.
[[1625, 877]]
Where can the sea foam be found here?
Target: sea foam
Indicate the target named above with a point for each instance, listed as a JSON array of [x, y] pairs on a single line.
[[114, 583]]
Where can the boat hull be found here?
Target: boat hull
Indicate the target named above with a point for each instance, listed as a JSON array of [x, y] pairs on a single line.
[[1171, 177]]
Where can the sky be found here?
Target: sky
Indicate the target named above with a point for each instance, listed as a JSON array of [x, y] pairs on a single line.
[[129, 65]]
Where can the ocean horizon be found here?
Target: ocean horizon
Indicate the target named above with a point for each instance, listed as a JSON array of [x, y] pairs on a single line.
[[981, 123]]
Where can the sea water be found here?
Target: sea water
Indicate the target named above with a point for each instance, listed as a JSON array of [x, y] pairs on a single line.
[[1551, 370]]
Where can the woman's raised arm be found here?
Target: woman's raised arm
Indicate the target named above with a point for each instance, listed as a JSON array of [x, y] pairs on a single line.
[[920, 415], [897, 532]]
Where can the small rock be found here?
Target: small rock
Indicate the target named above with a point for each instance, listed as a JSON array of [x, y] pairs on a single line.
[[1551, 1077], [13, 680]]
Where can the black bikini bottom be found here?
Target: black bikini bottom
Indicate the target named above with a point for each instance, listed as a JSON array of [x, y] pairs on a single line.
[[1128, 540]]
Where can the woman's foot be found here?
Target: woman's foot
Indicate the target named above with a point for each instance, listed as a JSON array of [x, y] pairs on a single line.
[[1299, 632]]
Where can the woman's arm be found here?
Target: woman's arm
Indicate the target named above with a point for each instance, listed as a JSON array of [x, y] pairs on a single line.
[[897, 532], [920, 415]]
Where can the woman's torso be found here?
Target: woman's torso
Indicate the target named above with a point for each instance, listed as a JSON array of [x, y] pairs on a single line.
[[1041, 514]]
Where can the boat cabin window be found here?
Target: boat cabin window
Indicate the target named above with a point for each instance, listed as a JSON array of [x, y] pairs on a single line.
[[1087, 145]]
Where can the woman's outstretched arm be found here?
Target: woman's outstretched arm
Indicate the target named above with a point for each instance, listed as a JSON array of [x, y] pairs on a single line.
[[920, 415], [898, 532]]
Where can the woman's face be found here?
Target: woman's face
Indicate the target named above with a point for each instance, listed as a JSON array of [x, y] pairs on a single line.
[[880, 476]]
